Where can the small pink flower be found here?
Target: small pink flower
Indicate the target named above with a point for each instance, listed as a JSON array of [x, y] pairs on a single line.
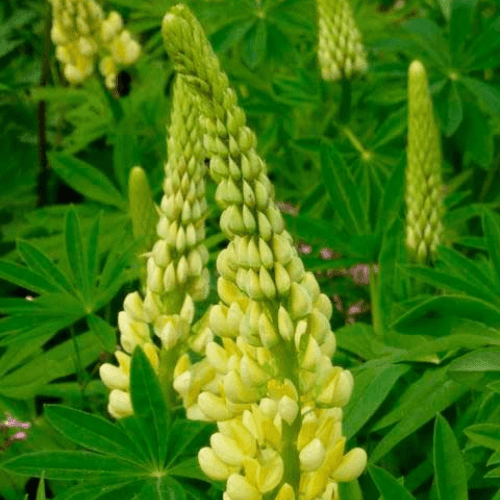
[[19, 436]]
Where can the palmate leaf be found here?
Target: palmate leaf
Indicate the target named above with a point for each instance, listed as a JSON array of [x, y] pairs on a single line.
[[461, 15], [65, 297], [137, 457], [459, 306], [343, 192], [441, 279]]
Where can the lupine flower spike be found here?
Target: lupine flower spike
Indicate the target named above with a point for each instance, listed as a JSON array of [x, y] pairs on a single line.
[[424, 185], [340, 51], [176, 268], [269, 384], [82, 34]]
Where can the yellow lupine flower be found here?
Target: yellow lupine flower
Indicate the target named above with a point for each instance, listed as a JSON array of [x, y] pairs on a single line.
[[274, 364], [176, 275], [82, 34], [340, 52]]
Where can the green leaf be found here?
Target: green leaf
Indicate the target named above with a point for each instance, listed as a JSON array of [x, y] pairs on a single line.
[[73, 465], [491, 229], [40, 492], [40, 263], [449, 469], [429, 36], [92, 253], [475, 135], [350, 490], [486, 93], [482, 52], [477, 369], [457, 263], [74, 252], [487, 435], [230, 34], [183, 435], [189, 469], [362, 406], [443, 396], [113, 274], [343, 192], [94, 432], [254, 48], [149, 405], [392, 198], [444, 280], [451, 305], [25, 278], [57, 362], [449, 108], [86, 179], [461, 16], [388, 486], [103, 331]]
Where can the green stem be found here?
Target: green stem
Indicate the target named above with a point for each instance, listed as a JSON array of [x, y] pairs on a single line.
[[489, 180], [345, 101], [168, 358], [355, 142], [288, 366], [43, 175]]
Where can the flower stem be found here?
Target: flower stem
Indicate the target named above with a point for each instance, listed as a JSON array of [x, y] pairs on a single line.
[[345, 101], [375, 302]]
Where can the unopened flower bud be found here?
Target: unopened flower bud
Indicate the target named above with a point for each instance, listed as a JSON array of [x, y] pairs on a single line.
[[351, 467], [212, 466], [311, 456]]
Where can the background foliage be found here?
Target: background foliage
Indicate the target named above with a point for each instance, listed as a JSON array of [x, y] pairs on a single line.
[[422, 342]]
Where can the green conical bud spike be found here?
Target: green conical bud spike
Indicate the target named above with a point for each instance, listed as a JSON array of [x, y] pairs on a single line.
[[424, 185], [340, 50], [142, 208]]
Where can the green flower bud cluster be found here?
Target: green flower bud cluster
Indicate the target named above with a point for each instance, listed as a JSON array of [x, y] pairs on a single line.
[[176, 268], [82, 34], [269, 382], [424, 185], [340, 51], [142, 212]]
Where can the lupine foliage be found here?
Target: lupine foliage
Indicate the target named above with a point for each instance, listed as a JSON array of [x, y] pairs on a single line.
[[308, 267]]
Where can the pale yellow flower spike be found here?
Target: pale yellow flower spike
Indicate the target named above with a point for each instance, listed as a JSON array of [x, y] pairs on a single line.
[[82, 35], [271, 386], [340, 51], [176, 269]]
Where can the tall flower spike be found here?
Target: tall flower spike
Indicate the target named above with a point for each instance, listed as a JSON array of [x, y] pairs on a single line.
[[269, 384], [82, 34], [340, 51], [176, 269], [424, 185]]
